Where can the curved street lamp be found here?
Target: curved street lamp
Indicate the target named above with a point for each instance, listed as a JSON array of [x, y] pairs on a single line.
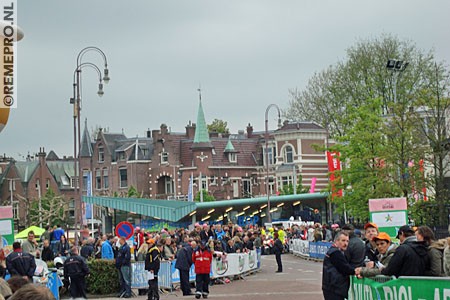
[[266, 137], [76, 101]]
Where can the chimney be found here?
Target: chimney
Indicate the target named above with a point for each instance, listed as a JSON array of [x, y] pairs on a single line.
[[190, 130], [249, 131], [164, 129]]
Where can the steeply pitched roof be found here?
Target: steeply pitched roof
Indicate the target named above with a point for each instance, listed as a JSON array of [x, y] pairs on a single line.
[[201, 131], [86, 143], [52, 156], [62, 171], [144, 149], [26, 169], [229, 147]]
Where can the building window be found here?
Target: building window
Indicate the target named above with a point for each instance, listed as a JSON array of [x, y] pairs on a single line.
[[98, 179], [271, 151], [168, 184], [213, 180], [123, 178], [74, 182], [47, 184], [122, 155], [85, 180], [164, 157], [246, 188], [225, 180], [64, 180], [101, 154], [271, 186], [204, 183], [105, 179], [15, 209], [12, 185], [285, 181], [232, 157], [72, 208], [288, 154]]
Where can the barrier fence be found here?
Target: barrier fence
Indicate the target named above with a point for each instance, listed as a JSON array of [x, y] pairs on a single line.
[[229, 265], [408, 288], [309, 249]]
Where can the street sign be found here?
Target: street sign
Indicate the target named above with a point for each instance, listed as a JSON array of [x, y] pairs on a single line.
[[124, 229]]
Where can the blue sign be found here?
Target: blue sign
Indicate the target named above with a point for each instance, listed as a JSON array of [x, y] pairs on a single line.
[[318, 249], [247, 220]]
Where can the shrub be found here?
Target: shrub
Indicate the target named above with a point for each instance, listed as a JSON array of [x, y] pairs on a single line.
[[104, 278]]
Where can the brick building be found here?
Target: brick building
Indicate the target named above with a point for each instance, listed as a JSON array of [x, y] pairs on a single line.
[[227, 166]]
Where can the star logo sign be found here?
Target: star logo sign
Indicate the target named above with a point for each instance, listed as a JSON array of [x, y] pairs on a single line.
[[388, 218]]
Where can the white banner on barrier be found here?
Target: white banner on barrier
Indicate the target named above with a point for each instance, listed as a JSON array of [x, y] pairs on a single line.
[[234, 264], [300, 247]]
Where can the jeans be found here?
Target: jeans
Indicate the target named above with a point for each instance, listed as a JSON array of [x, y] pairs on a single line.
[[125, 279]]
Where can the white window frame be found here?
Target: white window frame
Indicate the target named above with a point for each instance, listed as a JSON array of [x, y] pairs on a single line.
[[120, 178], [105, 178], [285, 153], [232, 157], [164, 157], [101, 154], [98, 179]]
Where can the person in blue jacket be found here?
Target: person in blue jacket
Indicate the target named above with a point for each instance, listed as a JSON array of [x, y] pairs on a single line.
[[107, 250]]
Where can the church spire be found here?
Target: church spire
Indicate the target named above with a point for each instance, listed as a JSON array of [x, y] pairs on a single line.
[[201, 138], [86, 143]]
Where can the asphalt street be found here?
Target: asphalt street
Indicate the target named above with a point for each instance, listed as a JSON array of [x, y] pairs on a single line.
[[301, 279]]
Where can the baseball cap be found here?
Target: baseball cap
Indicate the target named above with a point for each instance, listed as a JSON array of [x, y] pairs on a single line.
[[382, 236], [370, 224], [403, 229]]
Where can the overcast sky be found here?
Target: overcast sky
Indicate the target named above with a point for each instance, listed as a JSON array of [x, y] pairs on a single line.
[[245, 54]]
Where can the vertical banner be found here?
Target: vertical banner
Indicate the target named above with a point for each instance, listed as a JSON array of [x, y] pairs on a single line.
[[334, 165], [87, 206], [9, 35], [190, 189]]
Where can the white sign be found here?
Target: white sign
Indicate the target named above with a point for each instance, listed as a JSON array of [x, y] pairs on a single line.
[[389, 218], [5, 227]]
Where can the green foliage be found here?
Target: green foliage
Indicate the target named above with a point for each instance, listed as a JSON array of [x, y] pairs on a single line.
[[289, 189], [218, 126], [206, 197], [104, 278], [424, 213], [132, 192], [383, 121]]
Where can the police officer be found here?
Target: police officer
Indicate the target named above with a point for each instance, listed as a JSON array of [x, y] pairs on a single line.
[[76, 269], [152, 264], [21, 264]]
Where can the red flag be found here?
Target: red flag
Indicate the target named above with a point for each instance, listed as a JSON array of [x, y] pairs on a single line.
[[334, 164]]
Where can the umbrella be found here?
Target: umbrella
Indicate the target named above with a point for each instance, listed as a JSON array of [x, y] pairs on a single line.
[[24, 233]]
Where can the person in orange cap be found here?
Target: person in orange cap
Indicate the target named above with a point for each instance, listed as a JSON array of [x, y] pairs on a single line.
[[371, 231], [385, 249]]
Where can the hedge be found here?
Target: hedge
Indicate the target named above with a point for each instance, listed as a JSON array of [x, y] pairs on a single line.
[[104, 278]]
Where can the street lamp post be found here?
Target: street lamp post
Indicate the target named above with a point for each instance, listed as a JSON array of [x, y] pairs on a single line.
[[76, 101], [397, 67], [266, 137]]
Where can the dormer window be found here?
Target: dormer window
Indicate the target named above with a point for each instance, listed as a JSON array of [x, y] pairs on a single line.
[[122, 155], [232, 157]]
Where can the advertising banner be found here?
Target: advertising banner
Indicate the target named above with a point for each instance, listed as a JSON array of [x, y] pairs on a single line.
[[139, 278], [408, 288], [389, 214], [318, 249], [300, 247], [334, 165]]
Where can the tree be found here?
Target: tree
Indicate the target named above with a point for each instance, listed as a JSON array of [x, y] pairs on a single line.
[[206, 196], [373, 115], [52, 209], [218, 126]]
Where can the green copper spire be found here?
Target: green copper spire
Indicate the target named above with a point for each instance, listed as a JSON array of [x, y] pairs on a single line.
[[201, 131], [229, 147]]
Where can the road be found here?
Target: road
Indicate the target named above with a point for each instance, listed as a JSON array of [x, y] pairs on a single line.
[[301, 279]]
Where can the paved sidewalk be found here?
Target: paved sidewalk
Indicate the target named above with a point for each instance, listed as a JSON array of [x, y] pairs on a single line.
[[300, 279]]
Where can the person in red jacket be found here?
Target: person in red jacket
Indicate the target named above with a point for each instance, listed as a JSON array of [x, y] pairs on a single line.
[[202, 258]]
